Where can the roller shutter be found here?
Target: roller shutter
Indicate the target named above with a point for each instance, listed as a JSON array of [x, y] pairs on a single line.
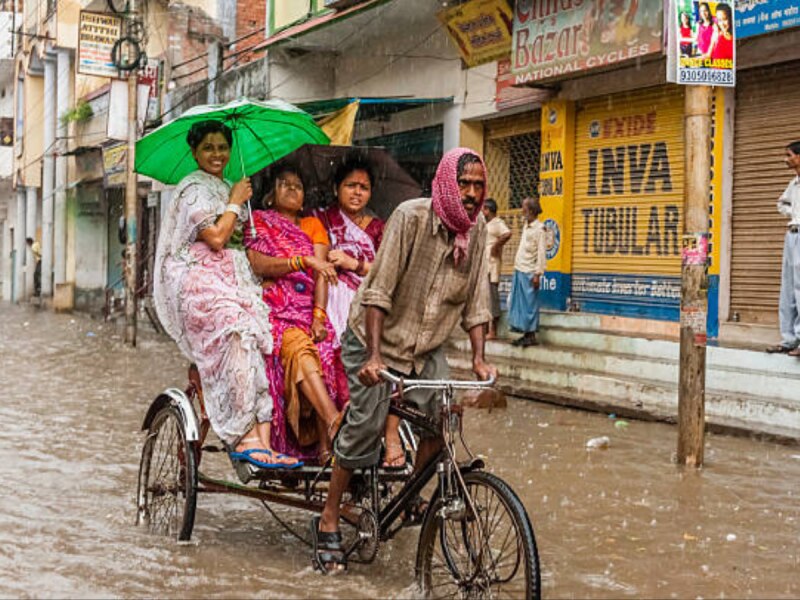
[[766, 119], [627, 219]]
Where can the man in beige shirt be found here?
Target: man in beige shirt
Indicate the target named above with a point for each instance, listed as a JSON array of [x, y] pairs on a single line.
[[497, 235], [529, 266], [428, 277]]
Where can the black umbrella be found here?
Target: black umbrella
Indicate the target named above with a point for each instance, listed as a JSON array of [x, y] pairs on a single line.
[[318, 164]]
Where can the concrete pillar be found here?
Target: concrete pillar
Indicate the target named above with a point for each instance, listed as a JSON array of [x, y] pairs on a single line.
[[31, 215], [19, 248], [60, 210], [452, 127], [48, 175], [5, 267]]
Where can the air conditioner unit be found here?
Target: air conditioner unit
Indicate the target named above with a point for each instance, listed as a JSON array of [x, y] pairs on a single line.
[[340, 4]]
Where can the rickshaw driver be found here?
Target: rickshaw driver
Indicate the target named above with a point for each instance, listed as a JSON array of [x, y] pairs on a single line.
[[429, 274]]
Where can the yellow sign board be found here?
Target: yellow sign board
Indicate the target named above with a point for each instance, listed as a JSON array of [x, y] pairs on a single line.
[[480, 29]]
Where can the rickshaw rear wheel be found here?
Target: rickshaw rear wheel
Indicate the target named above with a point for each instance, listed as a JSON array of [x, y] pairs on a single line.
[[167, 495]]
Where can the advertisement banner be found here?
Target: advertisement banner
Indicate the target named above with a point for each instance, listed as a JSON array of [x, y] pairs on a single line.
[[115, 165], [756, 17], [553, 39], [480, 29], [97, 34], [703, 45]]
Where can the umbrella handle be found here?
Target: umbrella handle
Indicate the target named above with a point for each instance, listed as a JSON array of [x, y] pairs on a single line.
[[249, 207]]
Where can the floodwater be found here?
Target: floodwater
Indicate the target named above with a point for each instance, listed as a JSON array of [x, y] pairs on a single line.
[[620, 522]]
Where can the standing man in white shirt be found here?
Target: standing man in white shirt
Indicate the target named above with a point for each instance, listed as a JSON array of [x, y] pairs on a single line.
[[789, 205], [529, 266], [497, 235]]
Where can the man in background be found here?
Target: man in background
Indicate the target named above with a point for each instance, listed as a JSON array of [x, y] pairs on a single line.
[[529, 266], [36, 250], [789, 205], [497, 235]]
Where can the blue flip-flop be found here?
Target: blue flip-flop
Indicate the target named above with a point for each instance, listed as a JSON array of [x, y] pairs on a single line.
[[245, 456]]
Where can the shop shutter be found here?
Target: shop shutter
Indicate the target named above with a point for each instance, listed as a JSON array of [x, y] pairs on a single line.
[[766, 119], [627, 218]]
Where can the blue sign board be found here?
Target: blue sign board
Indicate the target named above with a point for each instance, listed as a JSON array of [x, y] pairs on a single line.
[[756, 17]]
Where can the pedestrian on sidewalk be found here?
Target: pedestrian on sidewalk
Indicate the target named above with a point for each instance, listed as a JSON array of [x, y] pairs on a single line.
[[789, 205], [36, 250], [529, 265], [497, 235]]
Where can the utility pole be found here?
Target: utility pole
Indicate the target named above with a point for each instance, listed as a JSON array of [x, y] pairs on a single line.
[[131, 208], [694, 285]]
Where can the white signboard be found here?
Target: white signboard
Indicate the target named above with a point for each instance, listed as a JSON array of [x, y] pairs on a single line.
[[97, 34]]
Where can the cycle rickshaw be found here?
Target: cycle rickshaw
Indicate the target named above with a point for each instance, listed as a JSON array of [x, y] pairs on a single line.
[[476, 539]]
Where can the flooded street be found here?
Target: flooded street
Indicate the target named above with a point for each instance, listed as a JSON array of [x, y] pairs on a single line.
[[621, 522]]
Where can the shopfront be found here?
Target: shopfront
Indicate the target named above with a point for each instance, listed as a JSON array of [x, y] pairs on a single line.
[[628, 204], [766, 120]]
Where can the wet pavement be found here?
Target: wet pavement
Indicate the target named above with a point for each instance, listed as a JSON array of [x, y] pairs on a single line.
[[619, 522]]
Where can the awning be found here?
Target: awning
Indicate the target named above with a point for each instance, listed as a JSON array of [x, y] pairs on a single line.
[[370, 108], [316, 23]]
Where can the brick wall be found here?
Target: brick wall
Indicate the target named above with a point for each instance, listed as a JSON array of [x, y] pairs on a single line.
[[191, 31], [251, 17]]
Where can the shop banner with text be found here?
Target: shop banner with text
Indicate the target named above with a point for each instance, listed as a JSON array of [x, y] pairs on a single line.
[[554, 38], [97, 34], [757, 17]]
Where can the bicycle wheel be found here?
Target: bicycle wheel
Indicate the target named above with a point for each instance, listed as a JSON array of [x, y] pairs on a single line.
[[486, 552], [167, 495]]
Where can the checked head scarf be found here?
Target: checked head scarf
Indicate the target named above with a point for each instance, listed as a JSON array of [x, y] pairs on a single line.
[[447, 203]]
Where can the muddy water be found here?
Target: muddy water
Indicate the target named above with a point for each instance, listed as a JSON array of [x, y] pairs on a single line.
[[621, 522]]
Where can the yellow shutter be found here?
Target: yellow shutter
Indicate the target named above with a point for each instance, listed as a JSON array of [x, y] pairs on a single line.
[[627, 218]]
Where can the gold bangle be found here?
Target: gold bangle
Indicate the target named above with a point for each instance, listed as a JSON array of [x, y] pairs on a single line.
[[319, 313]]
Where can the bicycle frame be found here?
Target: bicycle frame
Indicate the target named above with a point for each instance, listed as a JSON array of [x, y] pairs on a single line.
[[441, 462]]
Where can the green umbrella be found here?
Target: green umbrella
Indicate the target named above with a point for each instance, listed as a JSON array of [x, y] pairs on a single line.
[[263, 132]]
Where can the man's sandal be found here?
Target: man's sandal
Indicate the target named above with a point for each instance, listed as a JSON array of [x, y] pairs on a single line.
[[391, 463], [328, 554], [779, 349]]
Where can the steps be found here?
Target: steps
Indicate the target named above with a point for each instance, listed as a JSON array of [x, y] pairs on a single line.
[[579, 364]]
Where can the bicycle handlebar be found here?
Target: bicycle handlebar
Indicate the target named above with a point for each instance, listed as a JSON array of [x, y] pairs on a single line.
[[437, 384]]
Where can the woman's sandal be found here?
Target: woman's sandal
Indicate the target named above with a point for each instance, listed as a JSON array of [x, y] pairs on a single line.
[[328, 554], [391, 462]]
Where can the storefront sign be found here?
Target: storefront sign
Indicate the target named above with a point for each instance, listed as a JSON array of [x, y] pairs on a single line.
[[756, 17], [509, 96], [702, 43], [481, 30], [115, 165], [553, 38], [97, 34], [555, 194], [627, 222]]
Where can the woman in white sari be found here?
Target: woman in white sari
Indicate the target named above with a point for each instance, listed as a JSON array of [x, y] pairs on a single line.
[[209, 301]]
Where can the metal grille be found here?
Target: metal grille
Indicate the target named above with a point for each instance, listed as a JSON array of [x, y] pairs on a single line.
[[513, 165]]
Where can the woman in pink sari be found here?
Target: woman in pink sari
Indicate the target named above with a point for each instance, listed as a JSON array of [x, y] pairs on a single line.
[[305, 372], [355, 237]]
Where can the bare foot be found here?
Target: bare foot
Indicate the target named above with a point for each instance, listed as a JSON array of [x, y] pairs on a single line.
[[394, 456]]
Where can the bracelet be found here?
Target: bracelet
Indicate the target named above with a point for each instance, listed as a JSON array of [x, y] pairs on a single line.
[[234, 208], [297, 263], [319, 313]]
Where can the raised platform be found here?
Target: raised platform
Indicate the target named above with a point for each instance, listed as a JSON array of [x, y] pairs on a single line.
[[582, 363]]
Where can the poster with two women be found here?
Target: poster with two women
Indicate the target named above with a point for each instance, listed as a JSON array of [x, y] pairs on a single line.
[[702, 43]]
